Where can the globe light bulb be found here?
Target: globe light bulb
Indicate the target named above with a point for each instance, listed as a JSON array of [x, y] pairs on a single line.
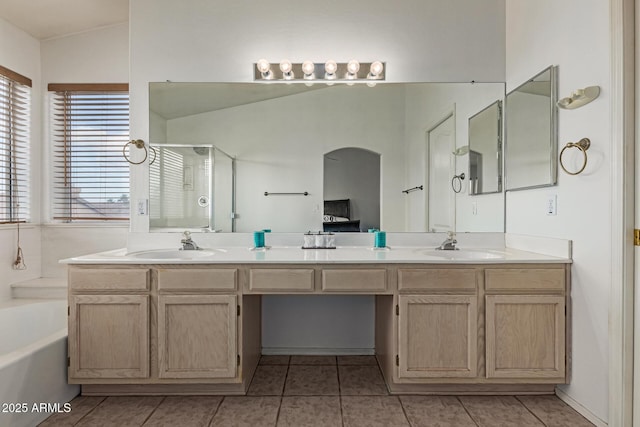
[[353, 67], [263, 66], [308, 68], [330, 67], [285, 66], [376, 69]]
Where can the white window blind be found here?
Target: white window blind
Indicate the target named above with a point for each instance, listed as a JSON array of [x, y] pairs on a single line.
[[15, 118], [90, 126]]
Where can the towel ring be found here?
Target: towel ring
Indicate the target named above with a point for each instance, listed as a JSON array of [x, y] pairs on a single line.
[[582, 145], [139, 144], [457, 179]]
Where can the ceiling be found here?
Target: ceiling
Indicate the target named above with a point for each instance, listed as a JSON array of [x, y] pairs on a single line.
[[172, 100], [45, 19]]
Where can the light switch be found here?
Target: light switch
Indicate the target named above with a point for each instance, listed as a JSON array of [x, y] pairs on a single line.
[[552, 204], [142, 207]]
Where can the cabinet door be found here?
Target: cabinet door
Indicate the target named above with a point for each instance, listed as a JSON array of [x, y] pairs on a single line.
[[438, 336], [197, 336], [109, 336], [525, 337]]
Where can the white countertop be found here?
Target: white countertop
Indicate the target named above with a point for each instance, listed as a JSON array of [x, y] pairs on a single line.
[[297, 255]]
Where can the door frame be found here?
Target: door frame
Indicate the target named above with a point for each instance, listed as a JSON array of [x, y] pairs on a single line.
[[442, 117], [621, 306]]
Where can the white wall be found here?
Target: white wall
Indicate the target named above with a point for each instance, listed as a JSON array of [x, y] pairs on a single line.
[[20, 52], [100, 56], [540, 34]]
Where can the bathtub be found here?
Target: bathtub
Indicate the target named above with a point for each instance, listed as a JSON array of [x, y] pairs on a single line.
[[33, 361]]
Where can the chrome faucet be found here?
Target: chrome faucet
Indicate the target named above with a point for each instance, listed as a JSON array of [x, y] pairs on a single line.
[[187, 243], [450, 242]]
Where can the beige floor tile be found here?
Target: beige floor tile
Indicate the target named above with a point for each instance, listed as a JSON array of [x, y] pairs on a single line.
[[305, 380], [357, 360], [431, 411], [80, 406], [361, 381], [504, 411], [313, 360], [268, 380], [274, 360], [310, 411], [121, 411], [372, 411], [184, 411], [247, 411], [554, 412]]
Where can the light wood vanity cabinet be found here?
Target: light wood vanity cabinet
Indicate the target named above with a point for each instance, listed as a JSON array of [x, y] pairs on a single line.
[[108, 332], [482, 324], [197, 327], [437, 328], [526, 324]]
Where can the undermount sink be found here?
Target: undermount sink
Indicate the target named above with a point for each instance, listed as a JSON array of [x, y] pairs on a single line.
[[173, 254], [463, 254]]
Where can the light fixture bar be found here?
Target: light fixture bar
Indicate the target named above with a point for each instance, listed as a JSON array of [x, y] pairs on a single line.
[[302, 72]]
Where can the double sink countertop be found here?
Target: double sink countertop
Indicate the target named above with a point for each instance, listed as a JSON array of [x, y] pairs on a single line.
[[297, 255]]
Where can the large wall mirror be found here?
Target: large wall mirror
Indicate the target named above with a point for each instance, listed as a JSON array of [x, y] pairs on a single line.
[[531, 135], [270, 147]]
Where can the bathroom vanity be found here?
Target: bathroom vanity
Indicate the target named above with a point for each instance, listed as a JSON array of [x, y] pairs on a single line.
[[475, 322]]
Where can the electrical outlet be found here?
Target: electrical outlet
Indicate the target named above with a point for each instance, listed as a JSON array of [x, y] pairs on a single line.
[[552, 204]]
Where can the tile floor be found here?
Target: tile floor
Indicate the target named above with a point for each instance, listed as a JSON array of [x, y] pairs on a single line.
[[318, 391]]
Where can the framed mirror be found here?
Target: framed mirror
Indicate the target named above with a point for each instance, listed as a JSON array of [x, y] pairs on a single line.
[[485, 150], [531, 145], [277, 137]]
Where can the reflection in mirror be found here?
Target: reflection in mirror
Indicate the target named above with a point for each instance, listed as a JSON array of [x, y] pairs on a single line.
[[485, 150], [351, 190], [279, 134], [181, 187], [531, 138]]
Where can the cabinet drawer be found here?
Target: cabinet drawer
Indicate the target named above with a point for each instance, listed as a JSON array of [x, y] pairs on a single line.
[[200, 279], [354, 280], [106, 279], [437, 279], [525, 279], [281, 279]]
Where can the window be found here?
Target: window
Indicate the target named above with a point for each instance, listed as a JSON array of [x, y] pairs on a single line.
[[90, 126], [15, 122]]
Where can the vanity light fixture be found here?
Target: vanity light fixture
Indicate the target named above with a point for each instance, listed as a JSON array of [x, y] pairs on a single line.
[[579, 98], [330, 71]]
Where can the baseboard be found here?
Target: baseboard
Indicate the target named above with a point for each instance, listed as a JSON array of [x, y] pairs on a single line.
[[580, 409], [317, 351]]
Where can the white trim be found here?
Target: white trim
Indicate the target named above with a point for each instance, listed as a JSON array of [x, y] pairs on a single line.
[[580, 409], [622, 213]]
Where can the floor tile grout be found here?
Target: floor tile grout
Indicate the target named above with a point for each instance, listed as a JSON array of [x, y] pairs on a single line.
[[529, 410], [90, 411], [467, 411], [154, 410], [216, 411], [282, 393]]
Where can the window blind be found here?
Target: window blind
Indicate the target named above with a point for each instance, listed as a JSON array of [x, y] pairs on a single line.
[[15, 120], [90, 126]]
